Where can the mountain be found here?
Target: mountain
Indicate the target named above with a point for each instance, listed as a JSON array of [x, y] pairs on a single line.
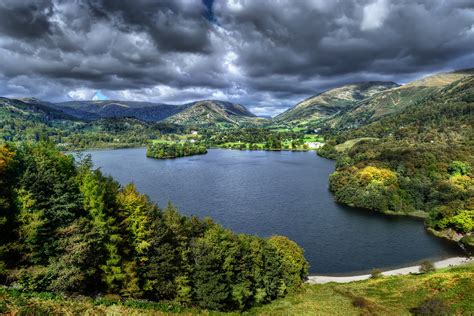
[[208, 112], [198, 113], [92, 110], [43, 110], [333, 101], [394, 100], [29, 120]]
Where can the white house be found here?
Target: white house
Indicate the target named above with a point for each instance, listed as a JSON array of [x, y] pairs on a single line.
[[315, 145]]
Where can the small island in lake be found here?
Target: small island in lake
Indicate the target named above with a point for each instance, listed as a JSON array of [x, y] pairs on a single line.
[[170, 149]]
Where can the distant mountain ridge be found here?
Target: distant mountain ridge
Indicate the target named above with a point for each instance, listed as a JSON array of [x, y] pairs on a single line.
[[92, 110], [345, 107], [203, 112], [333, 101]]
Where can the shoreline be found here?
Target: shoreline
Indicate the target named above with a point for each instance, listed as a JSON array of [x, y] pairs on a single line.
[[450, 262]]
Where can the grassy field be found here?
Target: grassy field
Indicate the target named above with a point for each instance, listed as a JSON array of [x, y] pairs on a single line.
[[451, 290], [351, 142]]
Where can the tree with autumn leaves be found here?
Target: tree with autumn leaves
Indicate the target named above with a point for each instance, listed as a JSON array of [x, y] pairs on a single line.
[[68, 228]]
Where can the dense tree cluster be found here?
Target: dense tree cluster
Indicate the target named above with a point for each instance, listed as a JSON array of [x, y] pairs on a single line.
[[166, 149], [254, 139], [66, 227], [421, 161]]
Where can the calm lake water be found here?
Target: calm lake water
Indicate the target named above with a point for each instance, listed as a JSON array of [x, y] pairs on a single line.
[[285, 193]]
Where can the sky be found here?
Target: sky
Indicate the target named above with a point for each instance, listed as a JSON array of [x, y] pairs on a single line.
[[265, 54]]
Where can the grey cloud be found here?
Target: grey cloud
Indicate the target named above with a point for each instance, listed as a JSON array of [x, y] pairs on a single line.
[[304, 41], [25, 19], [265, 53], [174, 25]]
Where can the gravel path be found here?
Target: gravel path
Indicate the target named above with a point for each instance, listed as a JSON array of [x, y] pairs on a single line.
[[320, 279]]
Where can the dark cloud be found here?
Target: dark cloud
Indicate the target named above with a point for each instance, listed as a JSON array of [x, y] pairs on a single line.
[[174, 25], [25, 19], [265, 54]]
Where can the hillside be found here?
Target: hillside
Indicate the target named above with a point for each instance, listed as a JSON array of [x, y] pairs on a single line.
[[199, 113], [211, 112], [33, 120], [447, 291], [33, 109], [414, 161], [25, 121], [91, 110], [332, 101], [394, 100]]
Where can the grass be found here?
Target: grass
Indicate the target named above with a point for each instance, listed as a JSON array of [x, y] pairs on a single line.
[[313, 138], [394, 295], [351, 142]]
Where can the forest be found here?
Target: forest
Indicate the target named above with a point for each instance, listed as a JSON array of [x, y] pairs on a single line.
[[68, 228], [417, 162], [167, 149]]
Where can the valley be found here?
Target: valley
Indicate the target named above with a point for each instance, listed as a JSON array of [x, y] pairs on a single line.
[[397, 150], [237, 157]]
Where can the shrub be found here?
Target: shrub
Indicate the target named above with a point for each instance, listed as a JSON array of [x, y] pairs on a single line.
[[376, 273], [360, 302], [35, 310], [459, 168], [3, 308], [426, 266], [431, 307]]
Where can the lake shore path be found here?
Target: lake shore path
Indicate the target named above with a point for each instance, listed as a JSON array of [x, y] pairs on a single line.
[[451, 262]]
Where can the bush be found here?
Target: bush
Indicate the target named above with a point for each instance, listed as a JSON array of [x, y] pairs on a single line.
[[3, 308], [376, 273], [35, 310], [360, 302], [426, 266], [431, 307]]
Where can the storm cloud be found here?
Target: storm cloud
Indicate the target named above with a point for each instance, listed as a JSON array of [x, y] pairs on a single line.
[[264, 54]]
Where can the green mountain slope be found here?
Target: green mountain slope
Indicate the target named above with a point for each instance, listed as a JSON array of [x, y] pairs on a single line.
[[31, 121], [206, 112], [25, 121], [332, 101], [394, 100], [211, 112]]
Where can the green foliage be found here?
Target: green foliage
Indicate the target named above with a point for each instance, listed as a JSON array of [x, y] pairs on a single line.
[[427, 150], [164, 150], [459, 168], [253, 139], [74, 230], [35, 122], [463, 222], [295, 266]]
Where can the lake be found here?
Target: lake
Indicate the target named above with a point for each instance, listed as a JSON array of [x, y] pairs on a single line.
[[285, 193]]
